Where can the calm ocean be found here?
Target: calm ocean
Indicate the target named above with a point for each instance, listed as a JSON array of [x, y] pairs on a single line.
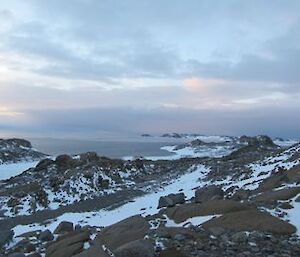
[[112, 149]]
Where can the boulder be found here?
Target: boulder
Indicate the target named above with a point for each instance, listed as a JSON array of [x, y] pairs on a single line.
[[43, 164], [68, 245], [68, 251], [251, 220], [103, 183], [281, 194], [209, 193], [173, 232], [46, 236], [64, 161], [89, 157], [274, 181], [29, 248], [171, 200], [5, 237], [294, 174], [241, 194], [189, 210], [63, 227], [125, 231], [138, 248]]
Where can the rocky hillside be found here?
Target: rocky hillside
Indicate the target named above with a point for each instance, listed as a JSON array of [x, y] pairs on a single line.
[[17, 150], [244, 204], [222, 146]]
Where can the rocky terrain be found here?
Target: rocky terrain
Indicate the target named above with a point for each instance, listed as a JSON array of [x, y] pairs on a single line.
[[17, 150], [219, 146], [244, 203]]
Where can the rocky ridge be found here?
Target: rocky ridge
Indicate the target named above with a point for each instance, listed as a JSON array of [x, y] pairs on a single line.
[[16, 150]]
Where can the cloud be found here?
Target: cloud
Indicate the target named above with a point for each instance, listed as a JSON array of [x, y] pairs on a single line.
[[148, 61]]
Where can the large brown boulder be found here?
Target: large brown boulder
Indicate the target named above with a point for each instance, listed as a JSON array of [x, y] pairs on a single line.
[[282, 194], [138, 248], [43, 164], [241, 194], [171, 232], [274, 181], [123, 232], [64, 161], [190, 210], [64, 226], [68, 245], [294, 174], [89, 157], [209, 193], [251, 220], [171, 200]]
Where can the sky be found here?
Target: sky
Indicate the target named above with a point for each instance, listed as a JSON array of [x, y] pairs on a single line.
[[85, 68]]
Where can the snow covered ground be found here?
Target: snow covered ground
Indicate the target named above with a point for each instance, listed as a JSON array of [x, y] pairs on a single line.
[[294, 216], [10, 170], [285, 142], [262, 170], [145, 205], [188, 152]]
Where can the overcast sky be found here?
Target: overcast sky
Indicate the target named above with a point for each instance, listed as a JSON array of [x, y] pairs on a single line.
[[89, 67]]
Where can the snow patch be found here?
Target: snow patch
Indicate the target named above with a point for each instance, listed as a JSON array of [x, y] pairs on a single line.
[[13, 169]]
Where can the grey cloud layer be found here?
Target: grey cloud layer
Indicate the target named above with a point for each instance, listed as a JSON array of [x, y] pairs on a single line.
[[67, 54], [97, 40]]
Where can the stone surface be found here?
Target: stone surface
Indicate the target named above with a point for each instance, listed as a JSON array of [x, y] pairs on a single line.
[[138, 248], [63, 227], [281, 194], [128, 230], [68, 245], [46, 235], [171, 200], [189, 210], [5, 237], [209, 193], [252, 220]]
